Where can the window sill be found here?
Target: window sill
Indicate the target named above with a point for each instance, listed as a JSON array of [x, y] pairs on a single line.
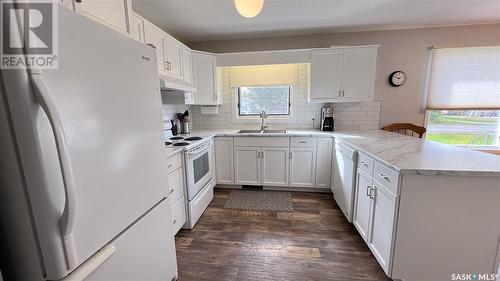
[[481, 147]]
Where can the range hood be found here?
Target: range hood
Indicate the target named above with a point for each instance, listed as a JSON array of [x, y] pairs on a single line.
[[169, 87]]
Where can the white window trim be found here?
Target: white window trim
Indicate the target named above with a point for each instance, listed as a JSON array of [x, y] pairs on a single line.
[[271, 119], [473, 147]]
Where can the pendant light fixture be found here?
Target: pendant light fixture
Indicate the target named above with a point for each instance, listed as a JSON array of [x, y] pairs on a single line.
[[249, 8]]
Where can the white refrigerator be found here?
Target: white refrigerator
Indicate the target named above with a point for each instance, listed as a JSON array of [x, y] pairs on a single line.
[[83, 169]]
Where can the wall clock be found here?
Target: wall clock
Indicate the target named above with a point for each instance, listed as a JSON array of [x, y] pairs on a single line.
[[397, 78]]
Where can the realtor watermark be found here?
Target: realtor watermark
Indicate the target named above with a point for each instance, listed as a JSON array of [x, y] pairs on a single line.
[[29, 34], [474, 277]]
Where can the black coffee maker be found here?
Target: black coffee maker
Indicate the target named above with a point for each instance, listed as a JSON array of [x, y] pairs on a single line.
[[327, 122]]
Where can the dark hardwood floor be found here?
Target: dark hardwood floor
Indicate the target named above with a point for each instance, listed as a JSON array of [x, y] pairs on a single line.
[[315, 242]]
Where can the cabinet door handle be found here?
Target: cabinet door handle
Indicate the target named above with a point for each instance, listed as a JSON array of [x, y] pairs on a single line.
[[364, 163], [262, 154], [302, 141], [290, 155], [171, 191], [340, 93], [258, 154], [372, 196], [174, 221], [343, 95], [385, 177], [368, 191]]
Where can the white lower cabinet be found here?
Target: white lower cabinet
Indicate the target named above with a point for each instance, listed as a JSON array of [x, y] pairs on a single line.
[[176, 187], [275, 162], [324, 162], [178, 214], [382, 224], [302, 166], [362, 204], [224, 160], [247, 166], [375, 212]]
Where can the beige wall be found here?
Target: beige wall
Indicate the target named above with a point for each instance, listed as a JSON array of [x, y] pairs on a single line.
[[405, 50]]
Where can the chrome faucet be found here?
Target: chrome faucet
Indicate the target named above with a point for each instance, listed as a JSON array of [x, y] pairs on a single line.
[[263, 116]]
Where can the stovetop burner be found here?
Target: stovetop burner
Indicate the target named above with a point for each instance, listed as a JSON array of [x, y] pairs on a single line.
[[180, 144], [167, 143], [193, 138], [176, 138]]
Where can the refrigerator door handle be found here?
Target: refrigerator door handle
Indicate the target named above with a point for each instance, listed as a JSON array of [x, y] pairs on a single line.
[[68, 217], [90, 265]]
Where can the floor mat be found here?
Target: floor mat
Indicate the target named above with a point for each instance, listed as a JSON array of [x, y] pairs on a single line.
[[260, 200]]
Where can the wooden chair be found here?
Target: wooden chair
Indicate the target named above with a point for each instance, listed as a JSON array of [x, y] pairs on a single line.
[[405, 129]]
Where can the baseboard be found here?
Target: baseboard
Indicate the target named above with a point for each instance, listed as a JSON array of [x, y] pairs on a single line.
[[280, 188]]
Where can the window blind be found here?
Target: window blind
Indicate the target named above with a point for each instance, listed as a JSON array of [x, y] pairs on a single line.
[[464, 78], [263, 75]]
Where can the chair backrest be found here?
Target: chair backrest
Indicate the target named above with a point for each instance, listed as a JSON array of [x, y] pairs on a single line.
[[405, 129]]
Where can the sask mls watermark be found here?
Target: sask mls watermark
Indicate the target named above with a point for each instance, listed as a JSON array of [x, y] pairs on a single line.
[[29, 34]]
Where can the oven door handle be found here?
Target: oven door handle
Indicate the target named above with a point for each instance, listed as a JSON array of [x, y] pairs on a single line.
[[199, 151]]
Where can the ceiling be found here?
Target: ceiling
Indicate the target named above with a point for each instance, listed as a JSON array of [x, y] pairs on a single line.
[[202, 20]]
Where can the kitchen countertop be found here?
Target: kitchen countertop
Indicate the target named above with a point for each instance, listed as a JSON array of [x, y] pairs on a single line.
[[402, 153]]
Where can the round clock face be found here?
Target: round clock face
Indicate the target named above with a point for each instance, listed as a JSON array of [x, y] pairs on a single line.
[[397, 78]]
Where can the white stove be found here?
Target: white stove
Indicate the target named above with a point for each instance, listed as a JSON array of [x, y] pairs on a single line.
[[199, 163]]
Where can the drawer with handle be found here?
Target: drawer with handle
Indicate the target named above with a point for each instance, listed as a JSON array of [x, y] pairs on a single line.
[[365, 163], [178, 214], [175, 185], [303, 141], [174, 162], [386, 177]]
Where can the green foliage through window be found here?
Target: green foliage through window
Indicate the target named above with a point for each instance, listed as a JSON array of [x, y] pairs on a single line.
[[464, 127], [274, 100]]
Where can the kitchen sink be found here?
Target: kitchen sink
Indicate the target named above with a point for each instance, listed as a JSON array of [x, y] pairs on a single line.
[[249, 131], [262, 132], [274, 131]]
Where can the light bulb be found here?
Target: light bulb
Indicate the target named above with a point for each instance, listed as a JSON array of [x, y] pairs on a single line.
[[249, 8]]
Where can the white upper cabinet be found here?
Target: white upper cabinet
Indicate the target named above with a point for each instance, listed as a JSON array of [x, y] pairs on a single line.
[[173, 57], [358, 73], [155, 37], [137, 27], [326, 75], [205, 79], [67, 3], [187, 65], [343, 74], [113, 13]]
